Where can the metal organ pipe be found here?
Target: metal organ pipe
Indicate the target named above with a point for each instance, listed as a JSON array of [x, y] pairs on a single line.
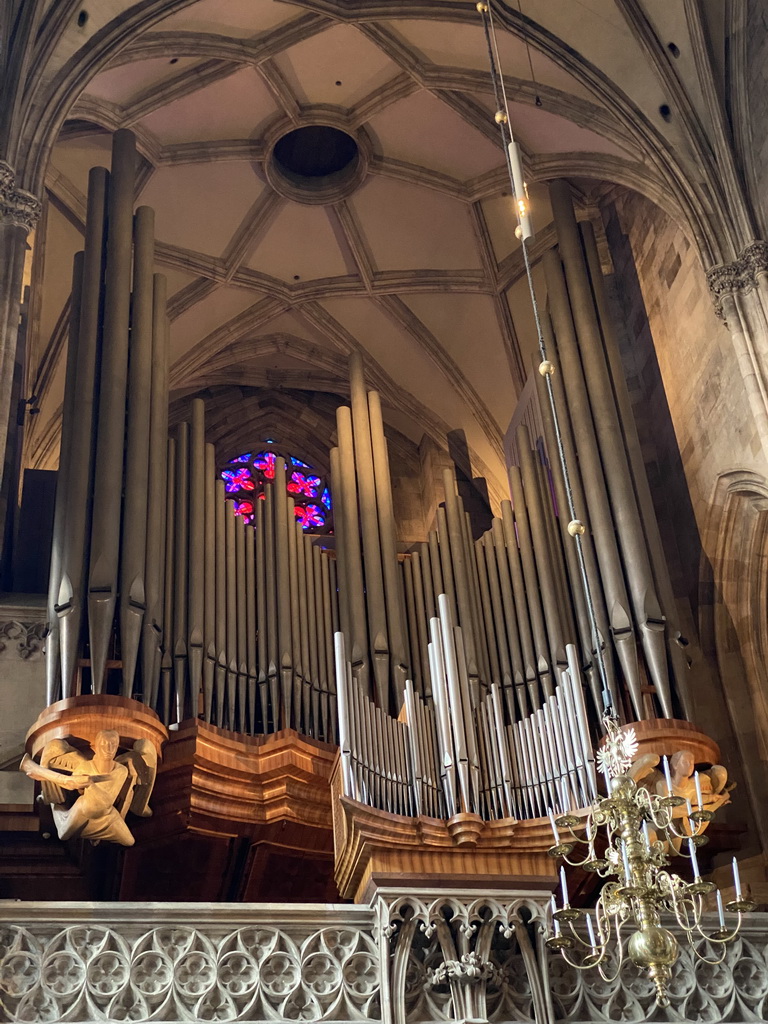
[[181, 573], [61, 504], [133, 550], [108, 475], [209, 563], [154, 573], [543, 555], [240, 622], [356, 606], [196, 557], [388, 541], [282, 578], [166, 661], [375, 606], [588, 549], [68, 590], [261, 611]]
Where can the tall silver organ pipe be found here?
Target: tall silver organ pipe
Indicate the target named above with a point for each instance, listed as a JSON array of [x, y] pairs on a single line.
[[104, 559]]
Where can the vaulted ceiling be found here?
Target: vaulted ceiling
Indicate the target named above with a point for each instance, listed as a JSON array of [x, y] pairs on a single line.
[[417, 263]]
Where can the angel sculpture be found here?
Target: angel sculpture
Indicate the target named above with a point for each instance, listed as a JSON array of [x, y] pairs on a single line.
[[107, 786], [712, 783]]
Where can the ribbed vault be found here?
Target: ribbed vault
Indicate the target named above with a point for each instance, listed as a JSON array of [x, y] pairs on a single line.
[[417, 266]]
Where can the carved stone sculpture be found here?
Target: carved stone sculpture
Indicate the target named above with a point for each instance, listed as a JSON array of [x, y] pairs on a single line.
[[91, 795]]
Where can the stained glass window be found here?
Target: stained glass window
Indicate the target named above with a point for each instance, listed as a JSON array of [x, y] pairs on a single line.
[[244, 478]]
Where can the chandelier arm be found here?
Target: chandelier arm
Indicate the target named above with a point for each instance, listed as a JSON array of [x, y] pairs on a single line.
[[676, 902], [680, 835], [576, 863], [723, 938], [574, 963], [610, 978], [705, 959], [661, 819]]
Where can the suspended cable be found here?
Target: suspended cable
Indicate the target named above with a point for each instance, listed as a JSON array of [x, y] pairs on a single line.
[[576, 528]]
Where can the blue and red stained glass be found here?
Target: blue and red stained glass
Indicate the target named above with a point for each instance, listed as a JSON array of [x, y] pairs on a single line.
[[265, 461], [310, 516], [301, 483], [244, 478], [244, 509], [238, 480]]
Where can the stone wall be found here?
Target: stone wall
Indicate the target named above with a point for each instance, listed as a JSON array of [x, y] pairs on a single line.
[[22, 691], [697, 429], [755, 129]]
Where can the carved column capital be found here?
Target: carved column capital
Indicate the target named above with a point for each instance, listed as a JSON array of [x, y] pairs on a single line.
[[740, 275], [16, 204]]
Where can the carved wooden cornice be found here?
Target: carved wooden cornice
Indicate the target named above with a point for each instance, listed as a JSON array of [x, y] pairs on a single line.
[[375, 850]]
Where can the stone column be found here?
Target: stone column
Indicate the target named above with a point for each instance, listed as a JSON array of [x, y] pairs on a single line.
[[19, 213], [740, 295]]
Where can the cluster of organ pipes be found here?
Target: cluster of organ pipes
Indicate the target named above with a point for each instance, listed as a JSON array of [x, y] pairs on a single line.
[[450, 755], [250, 608], [109, 512], [160, 592], [626, 569]]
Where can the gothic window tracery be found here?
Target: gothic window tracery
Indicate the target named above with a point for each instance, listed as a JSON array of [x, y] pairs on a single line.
[[245, 475]]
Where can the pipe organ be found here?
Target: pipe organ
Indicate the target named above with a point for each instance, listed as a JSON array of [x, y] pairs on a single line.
[[451, 673]]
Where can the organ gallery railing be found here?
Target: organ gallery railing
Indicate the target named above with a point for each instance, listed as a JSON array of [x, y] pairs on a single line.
[[278, 962]]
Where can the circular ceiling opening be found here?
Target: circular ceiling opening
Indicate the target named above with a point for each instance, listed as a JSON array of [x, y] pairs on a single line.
[[317, 163], [315, 151]]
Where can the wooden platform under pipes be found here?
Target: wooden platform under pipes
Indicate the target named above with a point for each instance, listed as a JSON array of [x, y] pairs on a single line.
[[377, 850]]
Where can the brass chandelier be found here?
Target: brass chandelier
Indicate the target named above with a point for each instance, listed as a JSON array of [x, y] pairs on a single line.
[[631, 833], [639, 830]]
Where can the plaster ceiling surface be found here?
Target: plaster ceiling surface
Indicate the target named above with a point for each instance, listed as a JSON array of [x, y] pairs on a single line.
[[418, 267]]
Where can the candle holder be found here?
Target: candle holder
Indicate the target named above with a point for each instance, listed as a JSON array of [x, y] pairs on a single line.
[[640, 830]]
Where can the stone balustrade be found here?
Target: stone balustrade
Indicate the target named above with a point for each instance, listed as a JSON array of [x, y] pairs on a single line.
[[88, 962]]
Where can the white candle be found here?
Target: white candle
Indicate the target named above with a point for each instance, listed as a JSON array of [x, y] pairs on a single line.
[[694, 859], [720, 914], [564, 886], [736, 879], [667, 776], [647, 835], [699, 797], [591, 932], [552, 822], [555, 922]]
